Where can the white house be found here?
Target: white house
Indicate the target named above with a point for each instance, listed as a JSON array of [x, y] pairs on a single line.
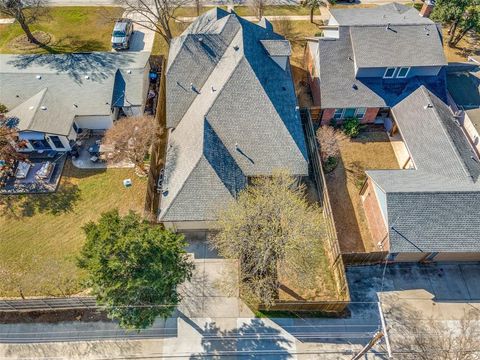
[[51, 98]]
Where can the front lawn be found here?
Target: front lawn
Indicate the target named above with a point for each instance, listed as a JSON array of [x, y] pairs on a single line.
[[73, 29], [370, 150], [41, 235]]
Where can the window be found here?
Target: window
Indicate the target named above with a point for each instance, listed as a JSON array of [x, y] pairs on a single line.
[[57, 142], [40, 144], [338, 114], [403, 72], [349, 113], [361, 112], [389, 73]]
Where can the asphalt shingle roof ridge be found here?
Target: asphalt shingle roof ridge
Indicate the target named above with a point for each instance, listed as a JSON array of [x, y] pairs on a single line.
[[454, 148]]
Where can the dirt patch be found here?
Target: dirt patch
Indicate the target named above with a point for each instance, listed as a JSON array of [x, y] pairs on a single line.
[[468, 46], [370, 150], [21, 43], [54, 316]]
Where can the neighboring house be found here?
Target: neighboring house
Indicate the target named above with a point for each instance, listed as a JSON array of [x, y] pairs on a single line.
[[51, 98], [369, 59], [232, 115], [431, 212], [464, 87]]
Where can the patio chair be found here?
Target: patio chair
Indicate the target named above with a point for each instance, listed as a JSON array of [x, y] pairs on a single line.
[[22, 170], [45, 171]]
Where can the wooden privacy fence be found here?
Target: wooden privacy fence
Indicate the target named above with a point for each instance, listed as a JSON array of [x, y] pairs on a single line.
[[47, 304], [152, 198], [335, 256], [333, 307]]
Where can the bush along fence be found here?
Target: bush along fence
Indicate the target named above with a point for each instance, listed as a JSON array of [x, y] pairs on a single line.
[[335, 256]]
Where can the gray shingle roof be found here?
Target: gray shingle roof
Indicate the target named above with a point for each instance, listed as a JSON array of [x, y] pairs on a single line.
[[239, 118], [337, 75], [277, 47], [464, 86], [74, 84], [430, 208], [392, 46], [392, 13], [340, 88]]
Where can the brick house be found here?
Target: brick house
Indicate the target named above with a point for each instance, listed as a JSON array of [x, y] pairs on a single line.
[[429, 212], [363, 65]]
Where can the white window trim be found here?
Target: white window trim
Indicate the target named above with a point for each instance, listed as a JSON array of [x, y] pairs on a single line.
[[393, 74], [342, 116], [365, 113], [406, 74]]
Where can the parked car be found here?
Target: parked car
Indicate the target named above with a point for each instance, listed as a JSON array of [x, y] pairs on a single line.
[[122, 34]]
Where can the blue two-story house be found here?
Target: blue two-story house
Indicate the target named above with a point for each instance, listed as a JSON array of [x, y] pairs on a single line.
[[369, 59]]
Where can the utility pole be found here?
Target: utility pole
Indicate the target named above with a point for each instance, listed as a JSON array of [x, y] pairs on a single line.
[[378, 335]]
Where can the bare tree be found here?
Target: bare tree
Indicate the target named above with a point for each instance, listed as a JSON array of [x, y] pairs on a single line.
[[414, 338], [155, 15], [276, 235], [258, 7], [132, 138], [26, 12], [198, 6], [329, 139]]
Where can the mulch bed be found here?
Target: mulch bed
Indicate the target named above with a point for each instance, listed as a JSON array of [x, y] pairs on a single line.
[[21, 42], [52, 316]]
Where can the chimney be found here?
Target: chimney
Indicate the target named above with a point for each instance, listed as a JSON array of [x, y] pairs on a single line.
[[427, 8]]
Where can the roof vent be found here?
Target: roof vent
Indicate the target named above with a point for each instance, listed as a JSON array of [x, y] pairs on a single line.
[[31, 108], [43, 107], [387, 27], [75, 105], [129, 71], [427, 30], [236, 47], [87, 77], [39, 77], [428, 106], [200, 39], [355, 87], [213, 89], [350, 58]]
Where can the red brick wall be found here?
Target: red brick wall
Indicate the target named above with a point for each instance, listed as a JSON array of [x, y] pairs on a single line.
[[327, 115], [375, 221], [370, 115], [313, 80]]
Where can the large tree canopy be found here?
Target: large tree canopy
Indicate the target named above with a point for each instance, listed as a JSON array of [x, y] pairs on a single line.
[[275, 234], [134, 268], [461, 16]]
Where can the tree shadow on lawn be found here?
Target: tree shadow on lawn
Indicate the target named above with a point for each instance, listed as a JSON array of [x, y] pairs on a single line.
[[27, 205]]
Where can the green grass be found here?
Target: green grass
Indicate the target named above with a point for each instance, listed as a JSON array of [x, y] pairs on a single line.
[[74, 29], [41, 235]]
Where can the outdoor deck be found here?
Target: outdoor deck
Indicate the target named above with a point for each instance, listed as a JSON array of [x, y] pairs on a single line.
[[31, 184]]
